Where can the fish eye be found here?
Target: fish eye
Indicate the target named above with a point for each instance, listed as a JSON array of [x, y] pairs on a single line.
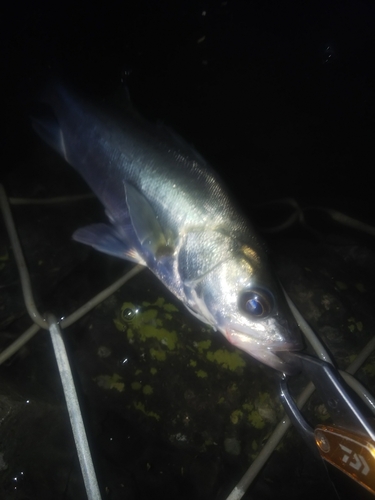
[[257, 303]]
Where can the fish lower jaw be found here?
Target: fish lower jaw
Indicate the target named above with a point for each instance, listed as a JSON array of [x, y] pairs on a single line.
[[267, 354], [268, 343], [271, 359]]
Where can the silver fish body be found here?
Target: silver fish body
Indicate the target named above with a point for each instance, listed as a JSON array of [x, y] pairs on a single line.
[[169, 211]]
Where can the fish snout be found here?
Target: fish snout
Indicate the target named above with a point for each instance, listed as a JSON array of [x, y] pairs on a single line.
[[270, 342]]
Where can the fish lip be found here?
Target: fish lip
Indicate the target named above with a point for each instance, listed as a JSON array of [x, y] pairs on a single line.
[[277, 355], [292, 341]]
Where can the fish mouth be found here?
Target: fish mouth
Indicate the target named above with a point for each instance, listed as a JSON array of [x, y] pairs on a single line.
[[275, 359], [273, 352]]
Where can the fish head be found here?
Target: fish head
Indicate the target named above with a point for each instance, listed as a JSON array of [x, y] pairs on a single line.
[[242, 299]]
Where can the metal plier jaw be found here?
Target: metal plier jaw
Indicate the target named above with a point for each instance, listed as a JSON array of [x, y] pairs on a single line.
[[348, 444]]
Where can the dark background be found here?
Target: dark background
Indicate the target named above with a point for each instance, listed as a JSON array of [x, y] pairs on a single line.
[[278, 96]]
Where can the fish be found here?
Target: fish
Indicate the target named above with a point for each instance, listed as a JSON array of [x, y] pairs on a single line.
[[168, 210]]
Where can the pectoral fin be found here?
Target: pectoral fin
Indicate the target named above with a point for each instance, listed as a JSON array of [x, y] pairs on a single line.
[[105, 239], [145, 223]]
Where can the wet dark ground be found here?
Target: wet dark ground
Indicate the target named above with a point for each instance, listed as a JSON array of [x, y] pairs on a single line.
[[279, 97]]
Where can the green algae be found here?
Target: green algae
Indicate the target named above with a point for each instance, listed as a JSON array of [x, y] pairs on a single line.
[[147, 322], [203, 345], [355, 325], [256, 420], [136, 386], [236, 416], [158, 354], [248, 407], [228, 360], [369, 368], [160, 302], [110, 382], [141, 407]]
